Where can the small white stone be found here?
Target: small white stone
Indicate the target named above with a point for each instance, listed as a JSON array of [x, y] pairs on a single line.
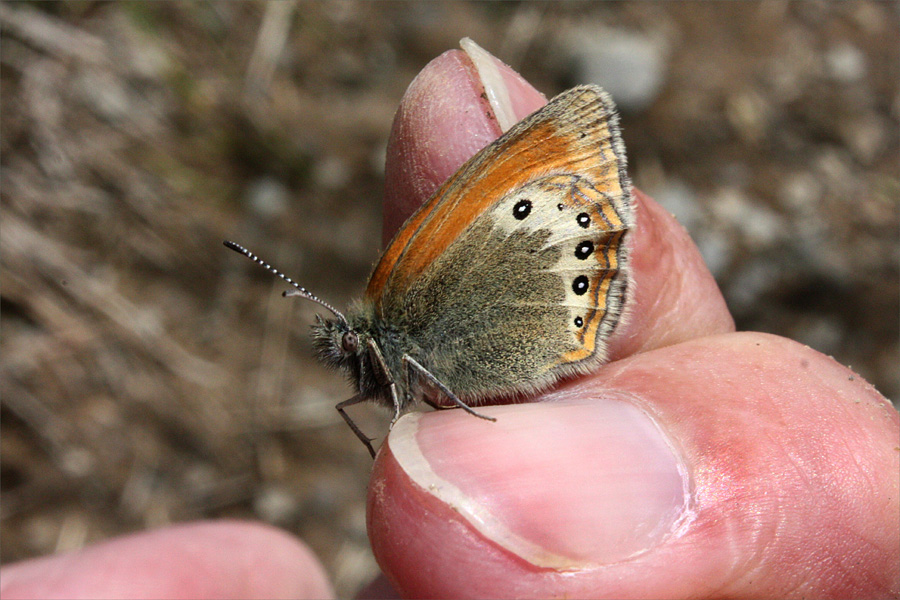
[[845, 63], [629, 65], [267, 197]]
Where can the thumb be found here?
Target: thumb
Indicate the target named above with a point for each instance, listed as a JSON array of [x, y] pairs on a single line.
[[740, 465]]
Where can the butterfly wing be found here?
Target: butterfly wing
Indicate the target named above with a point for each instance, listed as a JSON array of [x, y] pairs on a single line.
[[513, 273]]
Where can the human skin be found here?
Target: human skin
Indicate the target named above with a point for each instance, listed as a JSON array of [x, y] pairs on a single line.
[[206, 559], [700, 462]]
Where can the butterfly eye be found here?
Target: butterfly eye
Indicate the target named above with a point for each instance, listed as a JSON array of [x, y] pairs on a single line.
[[350, 342]]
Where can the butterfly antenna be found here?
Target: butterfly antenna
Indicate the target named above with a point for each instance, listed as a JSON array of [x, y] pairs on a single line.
[[300, 291]]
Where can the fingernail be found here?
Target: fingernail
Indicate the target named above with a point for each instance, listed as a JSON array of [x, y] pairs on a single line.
[[563, 485], [494, 85]]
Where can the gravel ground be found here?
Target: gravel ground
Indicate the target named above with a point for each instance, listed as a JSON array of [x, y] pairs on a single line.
[[150, 376]]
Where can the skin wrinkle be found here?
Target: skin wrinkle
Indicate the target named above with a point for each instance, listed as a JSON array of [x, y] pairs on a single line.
[[662, 297], [868, 476], [683, 291], [760, 529], [845, 567], [688, 309]]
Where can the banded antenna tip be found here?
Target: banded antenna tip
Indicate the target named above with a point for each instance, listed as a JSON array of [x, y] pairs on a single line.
[[300, 291]]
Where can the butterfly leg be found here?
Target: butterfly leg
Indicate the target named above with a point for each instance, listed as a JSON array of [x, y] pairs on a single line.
[[414, 369], [362, 437], [384, 377], [437, 406]]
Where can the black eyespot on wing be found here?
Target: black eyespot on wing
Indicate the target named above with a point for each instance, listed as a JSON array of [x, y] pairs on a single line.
[[580, 285], [583, 219], [522, 209], [579, 321], [584, 249]]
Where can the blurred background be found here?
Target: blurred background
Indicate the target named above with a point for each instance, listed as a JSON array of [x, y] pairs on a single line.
[[150, 376]]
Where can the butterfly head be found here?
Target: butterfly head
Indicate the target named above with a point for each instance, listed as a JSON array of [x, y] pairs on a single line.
[[337, 344], [345, 345]]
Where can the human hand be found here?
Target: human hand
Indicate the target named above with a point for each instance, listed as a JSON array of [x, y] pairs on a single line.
[[699, 462], [222, 559]]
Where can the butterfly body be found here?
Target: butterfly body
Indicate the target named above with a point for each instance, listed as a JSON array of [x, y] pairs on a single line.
[[511, 276]]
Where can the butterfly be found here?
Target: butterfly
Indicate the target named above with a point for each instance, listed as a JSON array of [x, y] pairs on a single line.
[[512, 276]]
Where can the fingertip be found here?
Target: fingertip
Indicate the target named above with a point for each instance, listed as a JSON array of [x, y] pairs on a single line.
[[444, 118], [224, 559]]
